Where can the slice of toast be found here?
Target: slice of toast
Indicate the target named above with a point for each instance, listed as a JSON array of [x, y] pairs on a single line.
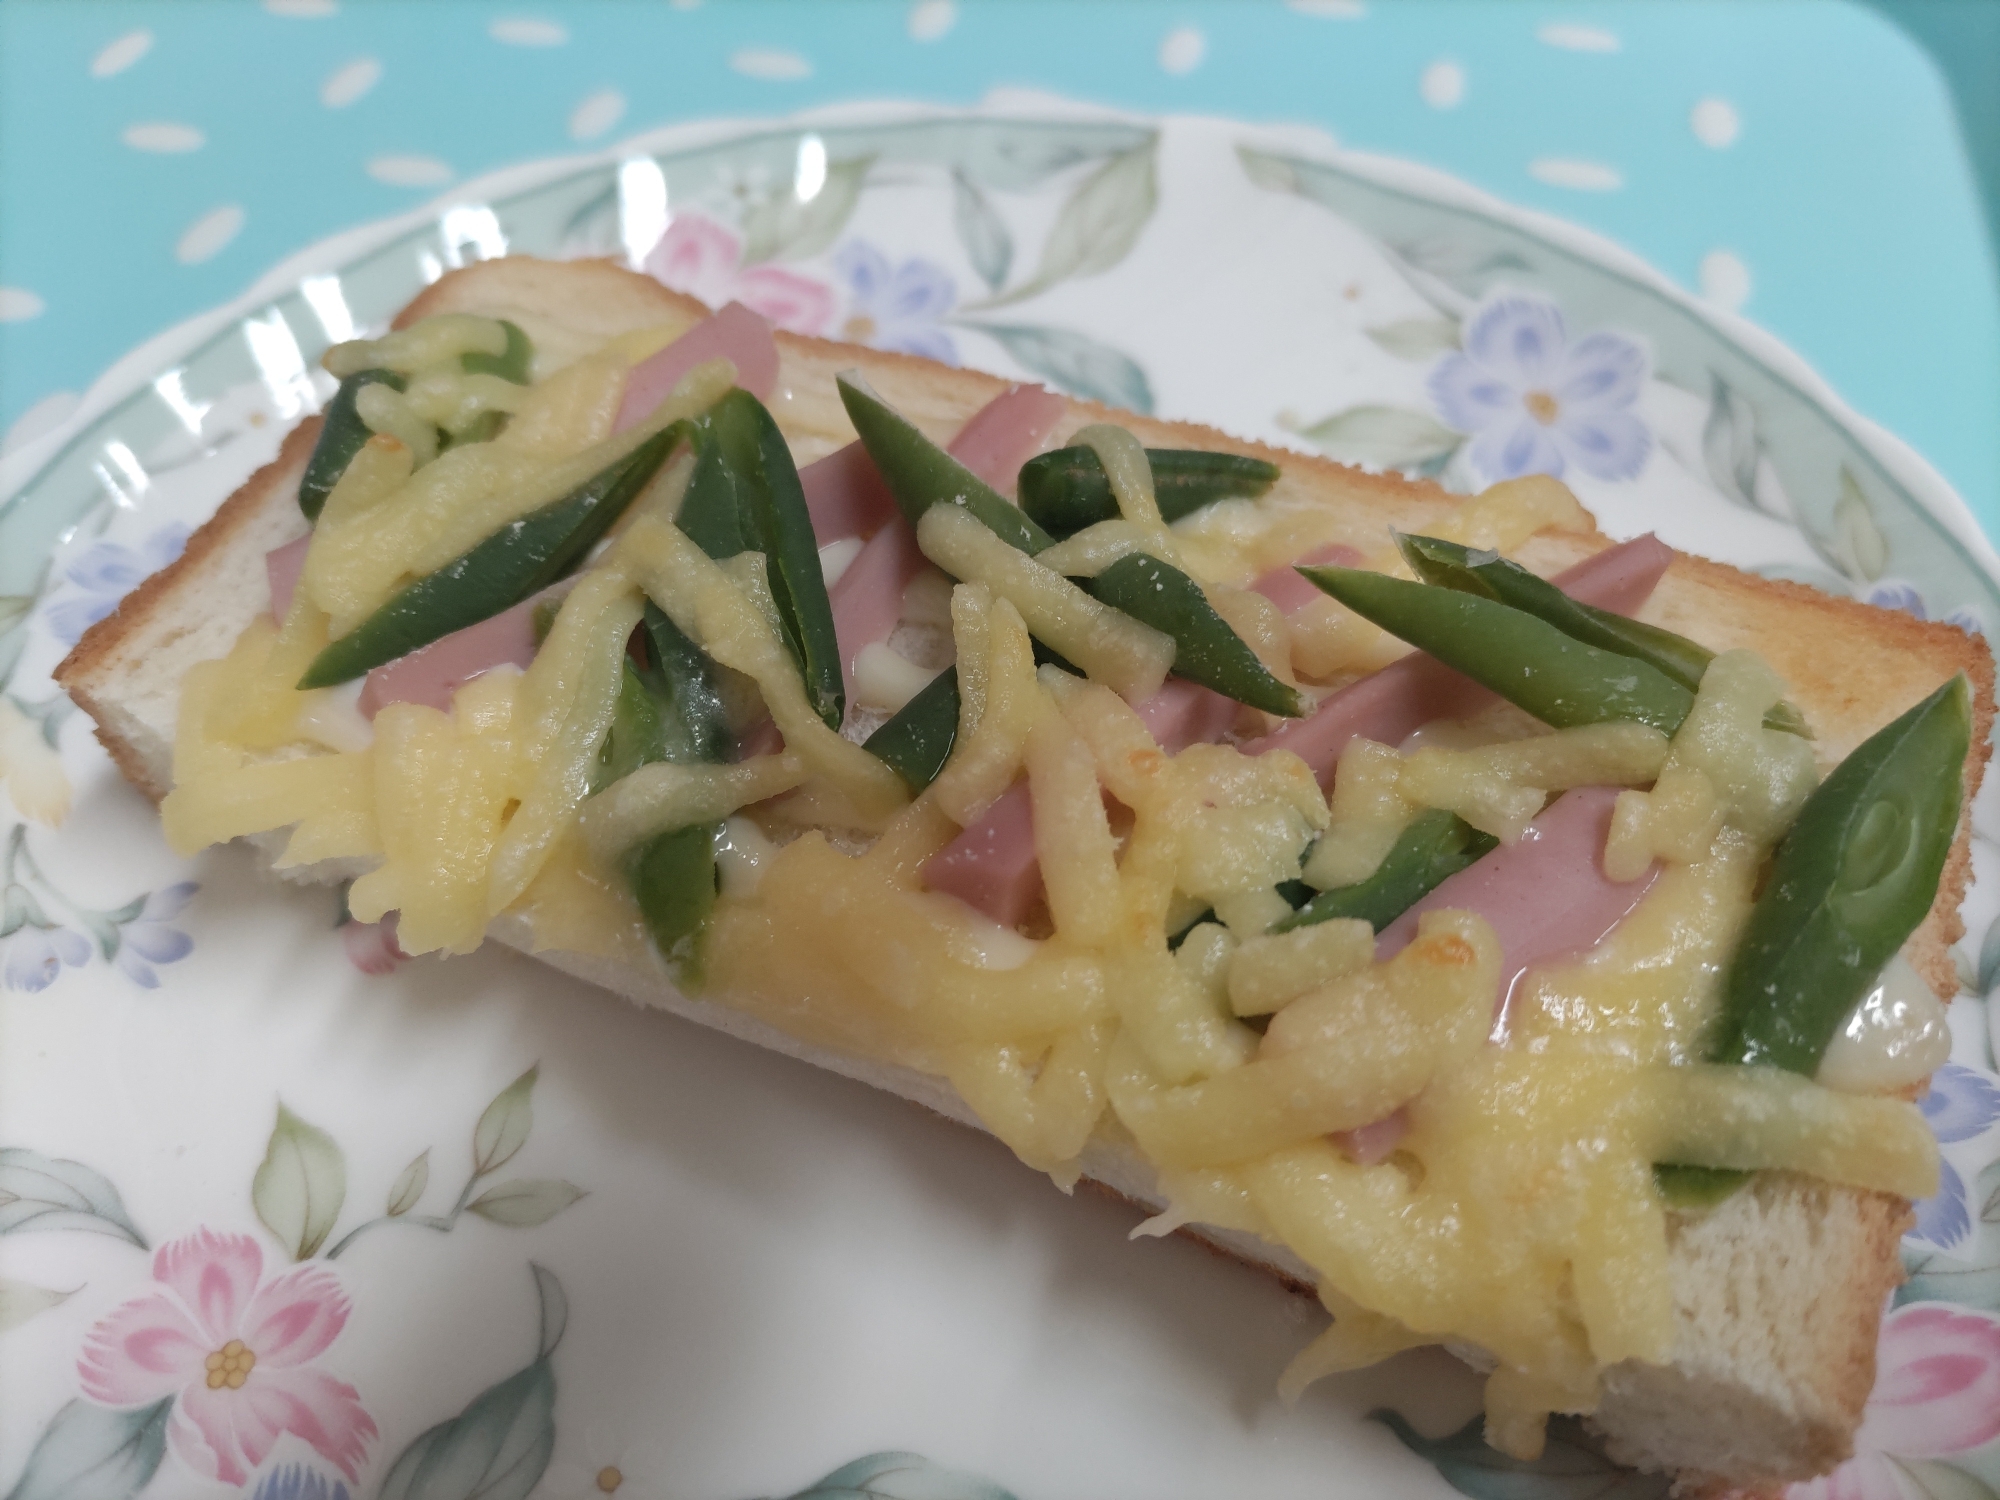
[[1777, 1292]]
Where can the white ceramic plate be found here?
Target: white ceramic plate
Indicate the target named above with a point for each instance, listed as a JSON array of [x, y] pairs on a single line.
[[768, 1271]]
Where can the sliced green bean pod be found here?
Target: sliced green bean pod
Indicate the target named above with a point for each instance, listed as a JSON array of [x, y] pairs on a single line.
[[688, 684], [1206, 651], [917, 740], [670, 706], [341, 435], [1527, 661], [674, 881], [718, 513], [920, 474], [638, 731], [744, 495], [1849, 884], [1436, 846], [1696, 1188], [1067, 490], [1453, 566], [670, 709], [510, 364], [518, 560]]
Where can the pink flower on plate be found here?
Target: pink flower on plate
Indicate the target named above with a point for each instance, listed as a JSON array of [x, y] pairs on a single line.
[[1937, 1392], [234, 1351], [698, 256]]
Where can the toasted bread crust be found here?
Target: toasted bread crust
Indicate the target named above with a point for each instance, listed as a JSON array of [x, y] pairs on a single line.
[[1850, 666], [87, 673]]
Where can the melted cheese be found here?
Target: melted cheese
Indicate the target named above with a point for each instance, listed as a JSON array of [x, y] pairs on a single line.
[[1519, 1210]]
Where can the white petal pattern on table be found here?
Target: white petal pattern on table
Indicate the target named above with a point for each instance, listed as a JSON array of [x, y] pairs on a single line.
[[206, 236], [1577, 38], [1715, 123], [528, 31], [119, 55], [18, 304], [163, 137], [931, 19], [770, 64], [1182, 49], [302, 10], [1572, 172], [349, 82], [1442, 85], [596, 114], [410, 171], [1330, 10]]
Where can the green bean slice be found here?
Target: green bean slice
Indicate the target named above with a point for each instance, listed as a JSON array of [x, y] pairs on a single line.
[[1436, 846], [670, 708], [1560, 680], [1207, 651], [687, 682], [1856, 874], [1853, 878], [1067, 490], [510, 364], [674, 881], [341, 435], [917, 740], [1453, 566], [744, 495], [920, 474], [516, 561]]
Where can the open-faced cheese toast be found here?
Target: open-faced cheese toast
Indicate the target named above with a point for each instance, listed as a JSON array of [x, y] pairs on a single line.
[[1097, 1015]]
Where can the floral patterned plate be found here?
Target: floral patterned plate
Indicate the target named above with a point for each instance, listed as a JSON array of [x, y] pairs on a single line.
[[278, 1222]]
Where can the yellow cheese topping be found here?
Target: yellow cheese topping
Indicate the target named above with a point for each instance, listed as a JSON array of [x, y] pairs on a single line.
[[1518, 1212]]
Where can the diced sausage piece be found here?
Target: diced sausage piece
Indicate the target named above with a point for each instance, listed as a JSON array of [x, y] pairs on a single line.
[[735, 334]]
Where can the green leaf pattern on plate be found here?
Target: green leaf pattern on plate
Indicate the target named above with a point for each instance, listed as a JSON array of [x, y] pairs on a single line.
[[782, 226], [982, 231], [900, 1476], [499, 1446], [46, 1193], [409, 1185], [522, 1202], [1098, 225], [1075, 362], [1573, 1465], [1421, 339], [503, 1128], [1384, 437], [22, 1300], [90, 1452], [300, 1186]]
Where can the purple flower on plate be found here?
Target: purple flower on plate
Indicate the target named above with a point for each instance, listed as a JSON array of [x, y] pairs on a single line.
[[35, 955], [298, 1482], [106, 572], [896, 307], [149, 938], [1962, 1103], [1534, 403], [1892, 593]]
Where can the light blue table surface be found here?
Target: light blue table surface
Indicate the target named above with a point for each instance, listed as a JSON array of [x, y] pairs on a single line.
[[1845, 192]]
